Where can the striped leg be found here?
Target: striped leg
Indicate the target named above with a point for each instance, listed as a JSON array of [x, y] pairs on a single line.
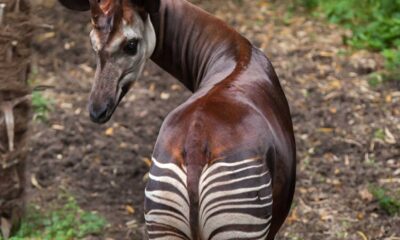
[[167, 202], [235, 201]]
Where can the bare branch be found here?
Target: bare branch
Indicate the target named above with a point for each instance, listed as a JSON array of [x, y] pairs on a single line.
[[2, 7]]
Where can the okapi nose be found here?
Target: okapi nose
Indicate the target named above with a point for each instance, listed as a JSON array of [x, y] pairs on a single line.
[[99, 112]]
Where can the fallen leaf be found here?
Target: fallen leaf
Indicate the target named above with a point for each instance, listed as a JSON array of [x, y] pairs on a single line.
[[333, 110], [45, 36], [165, 96], [57, 127], [130, 209], [388, 98], [35, 182], [109, 132], [336, 84], [325, 130], [389, 138], [176, 87], [123, 145], [147, 161], [362, 235], [152, 87], [293, 217], [145, 177], [366, 195], [132, 224]]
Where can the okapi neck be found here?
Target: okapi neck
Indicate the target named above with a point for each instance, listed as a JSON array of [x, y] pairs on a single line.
[[193, 45]]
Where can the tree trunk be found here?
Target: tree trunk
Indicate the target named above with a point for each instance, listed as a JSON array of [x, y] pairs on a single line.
[[15, 35]]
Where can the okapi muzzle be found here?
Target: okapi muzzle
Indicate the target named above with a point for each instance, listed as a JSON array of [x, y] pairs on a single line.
[[123, 39]]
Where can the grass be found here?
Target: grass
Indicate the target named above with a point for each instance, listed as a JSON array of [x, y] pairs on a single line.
[[66, 223], [375, 25], [388, 203], [41, 106]]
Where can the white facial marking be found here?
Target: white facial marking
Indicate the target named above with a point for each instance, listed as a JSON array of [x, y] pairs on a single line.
[[128, 65], [115, 43]]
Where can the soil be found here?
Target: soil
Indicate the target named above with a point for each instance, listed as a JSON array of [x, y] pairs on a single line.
[[336, 113]]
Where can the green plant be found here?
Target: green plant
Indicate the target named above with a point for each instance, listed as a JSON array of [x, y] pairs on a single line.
[[389, 204], [307, 4], [375, 25], [379, 134], [392, 57], [41, 106], [65, 223], [375, 79]]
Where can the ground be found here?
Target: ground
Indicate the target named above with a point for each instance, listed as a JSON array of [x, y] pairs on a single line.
[[347, 130]]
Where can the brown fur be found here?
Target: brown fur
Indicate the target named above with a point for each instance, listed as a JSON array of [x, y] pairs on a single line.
[[238, 104]]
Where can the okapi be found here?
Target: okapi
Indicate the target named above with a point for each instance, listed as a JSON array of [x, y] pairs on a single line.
[[224, 164]]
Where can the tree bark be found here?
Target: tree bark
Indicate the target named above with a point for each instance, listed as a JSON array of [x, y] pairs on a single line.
[[15, 35]]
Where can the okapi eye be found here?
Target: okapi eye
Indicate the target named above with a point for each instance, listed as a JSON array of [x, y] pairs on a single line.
[[131, 47]]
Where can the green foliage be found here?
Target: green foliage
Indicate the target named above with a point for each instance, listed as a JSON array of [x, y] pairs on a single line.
[[375, 24], [379, 134], [307, 4], [66, 223], [375, 79], [388, 203], [41, 106], [392, 57]]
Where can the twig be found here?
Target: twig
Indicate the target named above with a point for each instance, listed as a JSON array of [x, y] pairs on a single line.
[[17, 6], [362, 235], [7, 108], [40, 88], [2, 7]]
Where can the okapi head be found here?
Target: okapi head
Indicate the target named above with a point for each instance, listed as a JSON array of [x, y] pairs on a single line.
[[123, 38]]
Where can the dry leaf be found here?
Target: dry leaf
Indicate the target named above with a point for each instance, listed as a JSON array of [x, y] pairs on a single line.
[[152, 87], [364, 237], [109, 131], [325, 130], [145, 177], [388, 98], [293, 217], [147, 161], [130, 209], [366, 195], [336, 84], [45, 36], [57, 127], [176, 87], [165, 96], [389, 138], [35, 182], [132, 224]]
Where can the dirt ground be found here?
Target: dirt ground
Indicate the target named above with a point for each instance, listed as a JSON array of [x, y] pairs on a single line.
[[336, 114]]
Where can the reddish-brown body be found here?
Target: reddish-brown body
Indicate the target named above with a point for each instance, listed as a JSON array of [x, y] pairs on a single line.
[[238, 112], [238, 104]]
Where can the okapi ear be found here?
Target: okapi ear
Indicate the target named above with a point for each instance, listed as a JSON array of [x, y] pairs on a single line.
[[150, 6], [77, 5]]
